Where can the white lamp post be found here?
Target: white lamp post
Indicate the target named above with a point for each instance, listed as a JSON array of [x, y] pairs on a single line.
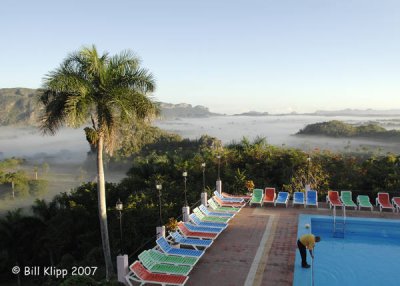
[[159, 187], [119, 207], [184, 174]]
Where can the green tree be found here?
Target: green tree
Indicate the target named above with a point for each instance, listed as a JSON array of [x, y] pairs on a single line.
[[111, 91]]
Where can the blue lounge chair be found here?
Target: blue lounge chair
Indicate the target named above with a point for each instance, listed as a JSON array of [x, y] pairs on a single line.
[[282, 199], [193, 242], [163, 244], [298, 198], [232, 200], [208, 213], [311, 198], [197, 221]]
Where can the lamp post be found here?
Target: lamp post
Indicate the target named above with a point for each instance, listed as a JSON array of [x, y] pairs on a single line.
[[219, 166], [203, 166], [184, 174], [219, 183], [119, 207], [307, 187], [159, 187], [203, 197], [308, 170]]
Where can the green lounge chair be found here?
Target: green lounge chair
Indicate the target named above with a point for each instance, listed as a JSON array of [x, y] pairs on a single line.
[[363, 202], [257, 197], [346, 197], [172, 259], [215, 207], [156, 267], [202, 217]]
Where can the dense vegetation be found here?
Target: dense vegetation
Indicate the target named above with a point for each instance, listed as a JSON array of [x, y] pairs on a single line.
[[336, 128], [65, 231], [15, 183]]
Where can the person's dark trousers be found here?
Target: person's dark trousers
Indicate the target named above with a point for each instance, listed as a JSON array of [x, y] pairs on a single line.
[[303, 253]]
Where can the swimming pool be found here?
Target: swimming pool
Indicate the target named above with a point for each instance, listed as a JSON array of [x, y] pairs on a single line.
[[368, 254]]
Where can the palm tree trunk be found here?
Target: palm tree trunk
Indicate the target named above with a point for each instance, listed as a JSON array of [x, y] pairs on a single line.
[[101, 193]]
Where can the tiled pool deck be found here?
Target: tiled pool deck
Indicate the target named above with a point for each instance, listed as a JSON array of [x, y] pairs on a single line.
[[259, 247]]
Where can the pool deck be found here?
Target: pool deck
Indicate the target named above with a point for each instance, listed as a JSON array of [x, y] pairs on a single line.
[[259, 247]]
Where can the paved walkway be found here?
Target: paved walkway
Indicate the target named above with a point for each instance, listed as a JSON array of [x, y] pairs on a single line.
[[258, 247]]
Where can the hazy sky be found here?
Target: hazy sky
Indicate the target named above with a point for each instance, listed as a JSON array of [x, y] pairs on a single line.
[[231, 56]]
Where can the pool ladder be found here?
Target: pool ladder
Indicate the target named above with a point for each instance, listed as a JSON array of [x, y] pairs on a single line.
[[339, 224]]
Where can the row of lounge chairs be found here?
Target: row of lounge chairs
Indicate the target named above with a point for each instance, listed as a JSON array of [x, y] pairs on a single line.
[[262, 197], [309, 198], [167, 264], [345, 200]]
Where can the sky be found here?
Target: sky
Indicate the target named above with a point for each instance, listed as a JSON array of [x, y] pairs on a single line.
[[230, 56]]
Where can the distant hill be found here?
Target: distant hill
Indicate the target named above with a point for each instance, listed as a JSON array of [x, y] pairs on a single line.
[[19, 106], [358, 112], [184, 110], [252, 113], [336, 128]]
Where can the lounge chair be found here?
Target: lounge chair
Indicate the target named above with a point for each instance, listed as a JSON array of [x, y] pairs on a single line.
[[269, 195], [298, 198], [383, 202], [363, 202], [193, 242], [244, 197], [197, 221], [163, 245], [205, 211], [347, 200], [257, 197], [332, 198], [282, 199], [186, 232], [161, 257], [216, 207], [233, 200], [311, 198], [140, 274], [203, 217], [228, 204], [197, 228], [154, 265], [396, 203]]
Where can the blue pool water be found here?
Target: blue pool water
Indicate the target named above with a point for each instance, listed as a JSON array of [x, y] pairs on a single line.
[[368, 254]]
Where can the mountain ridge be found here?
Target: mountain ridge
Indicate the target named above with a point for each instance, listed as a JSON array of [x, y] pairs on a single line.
[[19, 106]]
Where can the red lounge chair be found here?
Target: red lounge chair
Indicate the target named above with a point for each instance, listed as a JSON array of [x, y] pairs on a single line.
[[333, 199], [383, 202], [269, 195], [244, 197], [396, 203], [195, 234], [142, 275]]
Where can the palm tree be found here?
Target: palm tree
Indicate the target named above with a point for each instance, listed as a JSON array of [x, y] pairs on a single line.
[[108, 90], [11, 178]]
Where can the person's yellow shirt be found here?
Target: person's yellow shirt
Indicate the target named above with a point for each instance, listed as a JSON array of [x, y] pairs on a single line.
[[308, 240]]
